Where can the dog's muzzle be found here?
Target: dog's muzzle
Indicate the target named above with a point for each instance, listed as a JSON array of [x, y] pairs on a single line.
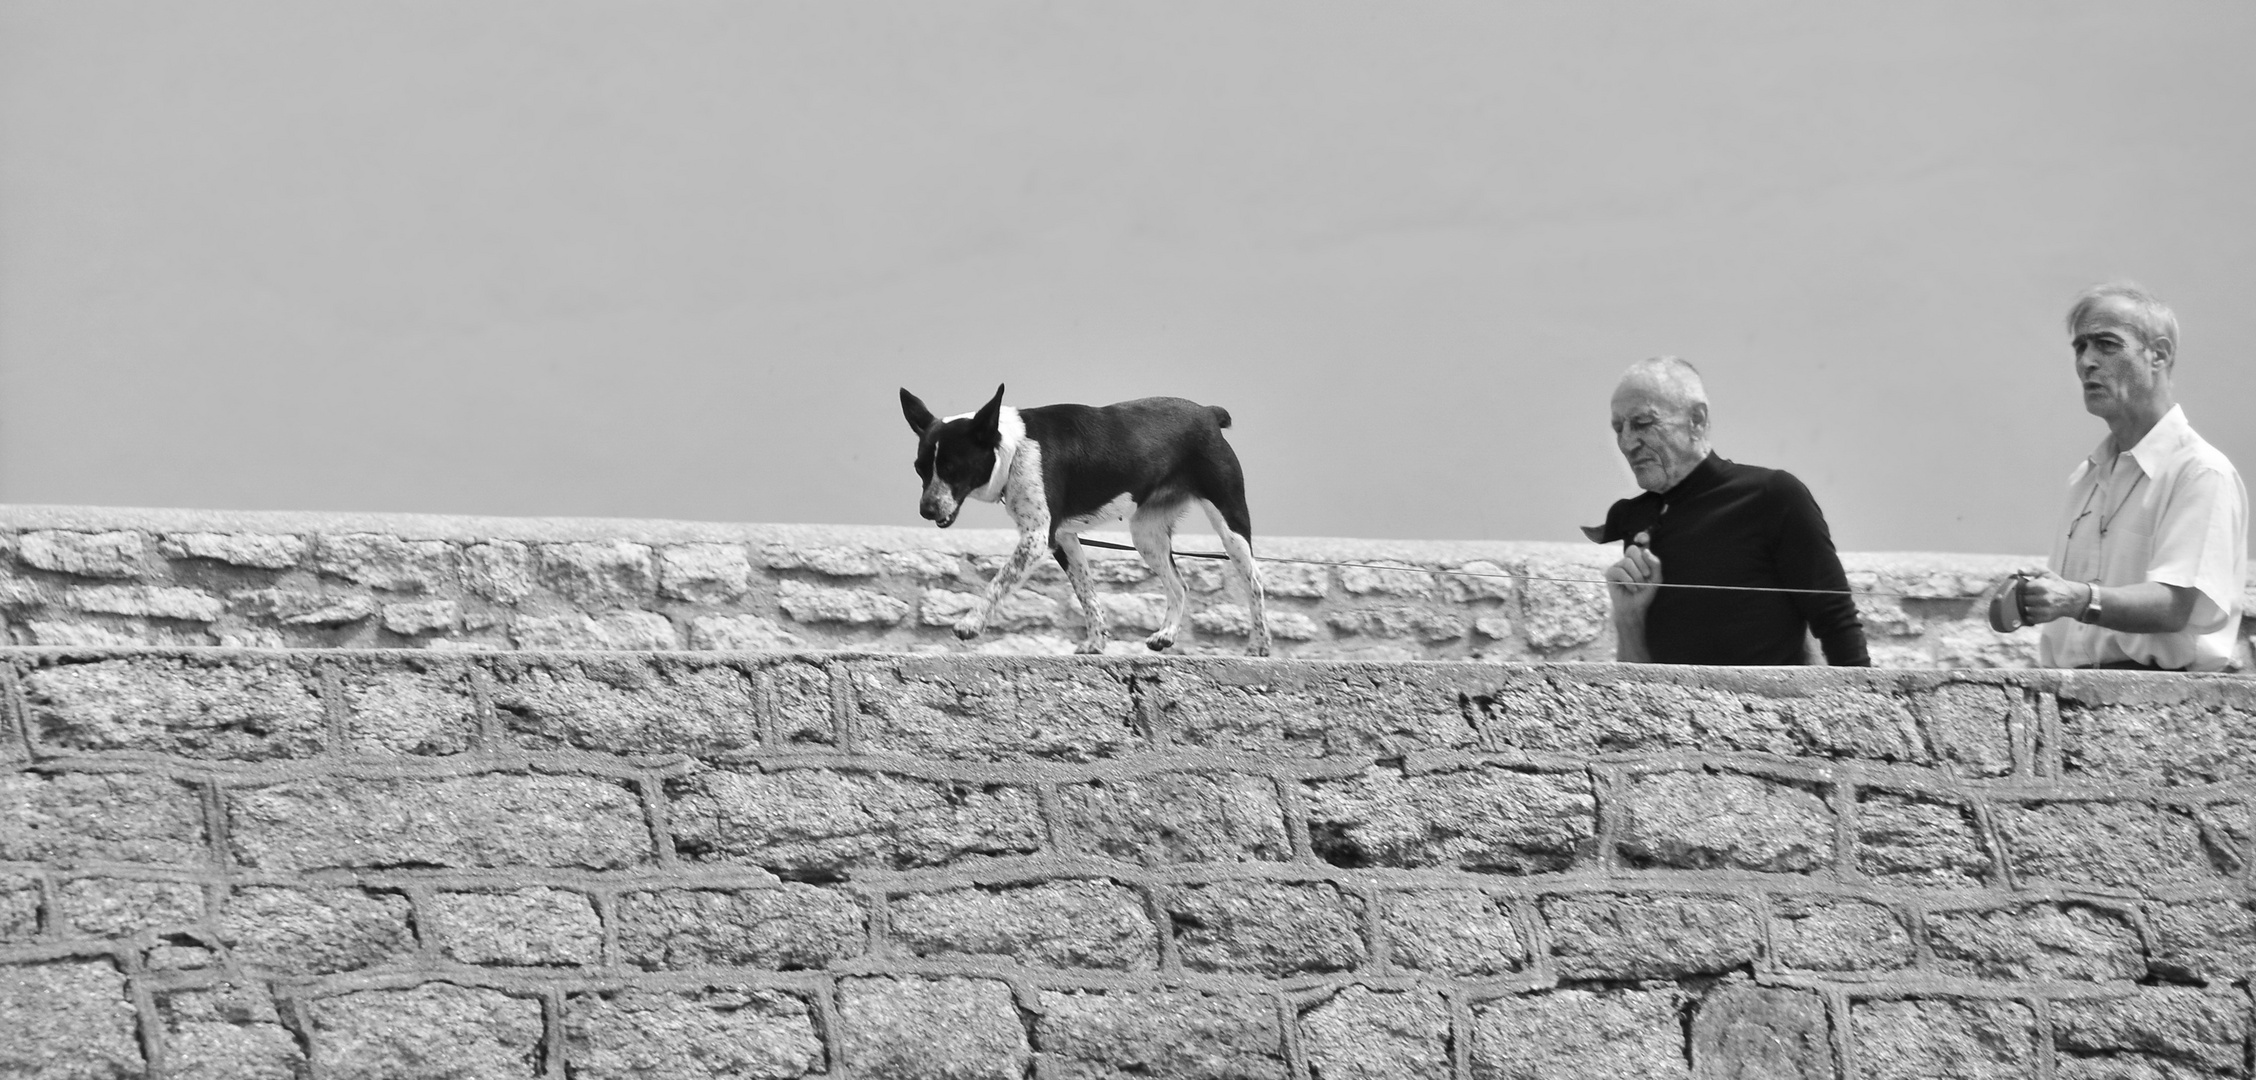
[[940, 510]]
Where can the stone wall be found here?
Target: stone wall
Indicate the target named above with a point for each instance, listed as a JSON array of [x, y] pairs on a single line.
[[100, 577], [408, 864]]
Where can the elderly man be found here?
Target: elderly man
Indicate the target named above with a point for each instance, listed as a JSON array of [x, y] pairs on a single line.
[[1706, 521], [2152, 548]]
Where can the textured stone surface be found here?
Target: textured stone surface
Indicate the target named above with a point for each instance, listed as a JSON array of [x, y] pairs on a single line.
[[71, 818], [387, 562], [1340, 710], [993, 709], [2202, 1032], [1487, 819], [910, 1029], [1235, 621], [306, 607], [500, 570], [2191, 742], [1622, 936], [817, 819], [116, 907], [793, 926], [261, 551], [531, 926], [315, 931], [249, 711], [1909, 841], [492, 820], [741, 633], [1580, 1035], [421, 616], [1742, 1032], [704, 573], [1932, 1038], [627, 706], [69, 1020], [105, 554], [1266, 928], [1816, 933], [1021, 610], [1562, 614], [1702, 821], [718, 1032], [227, 1032], [19, 907], [417, 711], [824, 604], [2122, 845], [1972, 728], [436, 1031], [1178, 1034], [1361, 1035], [628, 630], [596, 576], [151, 601], [2041, 942], [1170, 818], [2209, 940], [1398, 621], [1058, 924], [1451, 932]]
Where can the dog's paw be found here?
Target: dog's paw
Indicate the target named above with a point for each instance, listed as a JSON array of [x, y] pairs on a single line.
[[967, 629], [1091, 647], [1258, 648], [1159, 642]]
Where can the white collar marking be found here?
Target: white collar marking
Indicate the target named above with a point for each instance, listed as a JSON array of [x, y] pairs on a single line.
[[1006, 453]]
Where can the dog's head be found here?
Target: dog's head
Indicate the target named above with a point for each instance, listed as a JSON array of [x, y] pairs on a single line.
[[954, 457]]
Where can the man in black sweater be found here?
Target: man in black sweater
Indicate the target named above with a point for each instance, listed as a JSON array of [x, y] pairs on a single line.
[[1714, 522]]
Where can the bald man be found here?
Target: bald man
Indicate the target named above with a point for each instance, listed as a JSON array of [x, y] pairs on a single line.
[[1704, 520]]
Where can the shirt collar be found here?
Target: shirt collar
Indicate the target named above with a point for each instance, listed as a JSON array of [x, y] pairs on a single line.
[[1707, 474], [2155, 449]]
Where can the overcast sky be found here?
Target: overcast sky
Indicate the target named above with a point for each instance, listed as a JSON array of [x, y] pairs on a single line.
[[672, 259]]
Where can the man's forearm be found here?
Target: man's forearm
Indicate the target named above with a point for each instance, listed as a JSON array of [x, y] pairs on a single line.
[[1629, 637], [2148, 607]]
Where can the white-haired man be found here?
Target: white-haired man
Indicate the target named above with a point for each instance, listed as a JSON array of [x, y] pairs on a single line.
[[2152, 548], [1709, 521]]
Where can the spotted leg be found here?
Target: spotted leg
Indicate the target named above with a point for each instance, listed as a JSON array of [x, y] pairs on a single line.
[[1152, 526], [1240, 550], [1067, 548]]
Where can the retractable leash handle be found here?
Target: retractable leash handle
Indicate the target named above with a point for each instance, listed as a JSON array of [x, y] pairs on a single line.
[[2008, 606]]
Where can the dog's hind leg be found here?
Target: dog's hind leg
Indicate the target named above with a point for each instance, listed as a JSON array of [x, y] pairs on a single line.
[[1240, 548], [1067, 548], [1153, 528]]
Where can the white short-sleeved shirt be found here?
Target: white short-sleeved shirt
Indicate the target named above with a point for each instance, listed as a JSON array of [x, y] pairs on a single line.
[[2171, 509]]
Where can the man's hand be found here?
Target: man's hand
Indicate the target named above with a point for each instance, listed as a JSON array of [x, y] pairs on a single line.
[[2046, 596], [1631, 584]]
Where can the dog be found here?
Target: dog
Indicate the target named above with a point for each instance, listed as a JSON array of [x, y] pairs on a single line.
[[1062, 469]]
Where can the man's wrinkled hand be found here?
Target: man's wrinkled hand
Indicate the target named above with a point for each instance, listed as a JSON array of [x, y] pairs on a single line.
[[1633, 582]]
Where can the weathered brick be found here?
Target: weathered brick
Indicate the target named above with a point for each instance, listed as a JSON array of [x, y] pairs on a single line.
[[245, 710], [147, 601], [1058, 924], [1580, 1035], [2037, 941], [1178, 1034], [2168, 1029], [817, 819], [493, 820], [715, 1032], [72, 818], [409, 708], [1361, 1035], [226, 1032], [628, 706], [1972, 726], [387, 562], [1451, 932], [19, 907], [108, 554], [1370, 710], [71, 1020], [1929, 1038], [1485, 818], [2120, 845], [911, 1029], [704, 573], [436, 1031], [965, 708], [315, 931], [500, 570], [2200, 733], [260, 551], [116, 907], [791, 927], [415, 617], [1826, 933], [824, 604], [529, 926], [2210, 940], [741, 633], [1172, 818], [1706, 821], [1640, 936], [598, 575], [1909, 841], [1266, 927], [1742, 1032]]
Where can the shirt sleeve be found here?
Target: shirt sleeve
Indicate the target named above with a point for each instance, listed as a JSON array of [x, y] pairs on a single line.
[[1805, 559], [2199, 543]]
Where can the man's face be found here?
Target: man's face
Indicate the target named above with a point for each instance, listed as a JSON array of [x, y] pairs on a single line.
[[1662, 440], [2118, 367]]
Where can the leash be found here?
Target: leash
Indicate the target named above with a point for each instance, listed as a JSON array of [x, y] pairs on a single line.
[[1086, 542]]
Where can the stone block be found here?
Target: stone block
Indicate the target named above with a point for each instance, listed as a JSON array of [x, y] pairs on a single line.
[[1057, 924], [19, 908], [1972, 726], [1304, 581], [801, 710], [499, 570], [107, 554], [1116, 569], [2213, 941], [1177, 1034], [1271, 928], [643, 631], [594, 576], [1402, 579], [1133, 611], [106, 633], [1742, 1032], [415, 617], [1399, 621], [1233, 620], [1478, 580], [1649, 936], [1173, 818], [925, 565], [1580, 1035], [226, 1032], [117, 907], [704, 573], [626, 705], [1362, 1035], [787, 928], [1710, 821], [1929, 1038], [2185, 742], [2122, 846], [491, 820], [741, 633], [258, 551], [819, 820], [528, 927], [998, 709], [2041, 942], [914, 1029], [385, 562], [69, 1020], [1563, 614], [720, 1033], [1909, 841], [1827, 933], [436, 1031], [2169, 1028], [240, 710], [1496, 627], [1613, 713], [147, 601], [1351, 710], [852, 561], [315, 931], [408, 708], [824, 604], [1021, 610], [305, 607], [1485, 819], [72, 818], [1451, 932]]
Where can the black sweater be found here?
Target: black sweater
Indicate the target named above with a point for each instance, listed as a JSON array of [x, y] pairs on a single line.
[[1730, 524]]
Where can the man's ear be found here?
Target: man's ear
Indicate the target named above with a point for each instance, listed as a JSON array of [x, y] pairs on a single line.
[[987, 423], [1698, 412], [2167, 350], [920, 418]]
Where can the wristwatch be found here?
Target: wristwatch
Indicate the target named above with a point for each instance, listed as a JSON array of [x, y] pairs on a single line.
[[2090, 614]]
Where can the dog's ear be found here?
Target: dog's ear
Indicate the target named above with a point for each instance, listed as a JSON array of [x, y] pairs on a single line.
[[987, 423], [920, 418]]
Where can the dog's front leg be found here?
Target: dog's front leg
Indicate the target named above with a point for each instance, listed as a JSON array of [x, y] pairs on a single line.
[[1031, 540]]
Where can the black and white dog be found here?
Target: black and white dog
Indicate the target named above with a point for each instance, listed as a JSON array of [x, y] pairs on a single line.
[[1062, 469]]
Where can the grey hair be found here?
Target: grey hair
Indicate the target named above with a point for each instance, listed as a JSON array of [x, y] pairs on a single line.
[[1675, 375], [2153, 318]]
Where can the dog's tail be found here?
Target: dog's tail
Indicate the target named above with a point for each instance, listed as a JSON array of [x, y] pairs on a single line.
[[1221, 415]]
